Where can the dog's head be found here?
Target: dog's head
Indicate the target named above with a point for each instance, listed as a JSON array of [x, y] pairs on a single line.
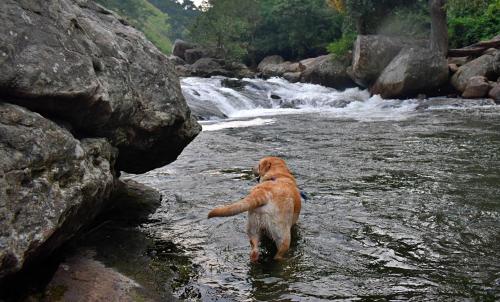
[[270, 165]]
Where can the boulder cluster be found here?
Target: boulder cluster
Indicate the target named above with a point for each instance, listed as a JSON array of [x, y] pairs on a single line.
[[196, 61], [83, 96], [392, 67]]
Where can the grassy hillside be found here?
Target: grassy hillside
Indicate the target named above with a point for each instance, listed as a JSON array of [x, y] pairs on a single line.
[[145, 17]]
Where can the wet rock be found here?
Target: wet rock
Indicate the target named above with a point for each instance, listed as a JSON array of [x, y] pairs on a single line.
[[270, 60], [327, 71], [180, 47], [292, 77], [495, 92], [232, 83], [412, 71], [477, 87], [487, 65], [51, 185], [371, 54], [81, 63], [81, 278], [132, 202]]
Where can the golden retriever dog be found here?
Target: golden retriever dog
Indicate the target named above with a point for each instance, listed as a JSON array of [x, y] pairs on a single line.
[[273, 206]]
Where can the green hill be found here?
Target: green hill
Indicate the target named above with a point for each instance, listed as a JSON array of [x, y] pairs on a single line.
[[145, 17]]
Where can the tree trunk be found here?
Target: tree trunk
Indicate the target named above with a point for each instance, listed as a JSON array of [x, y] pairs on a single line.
[[439, 27], [360, 25]]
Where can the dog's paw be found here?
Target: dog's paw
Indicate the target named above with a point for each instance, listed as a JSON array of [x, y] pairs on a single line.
[[254, 256]]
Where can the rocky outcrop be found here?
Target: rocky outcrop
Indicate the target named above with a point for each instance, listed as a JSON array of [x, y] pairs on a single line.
[[50, 185], [487, 65], [106, 100], [412, 71], [78, 62], [327, 71]]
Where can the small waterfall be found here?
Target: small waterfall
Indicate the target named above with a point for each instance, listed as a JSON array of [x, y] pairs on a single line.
[[219, 98]]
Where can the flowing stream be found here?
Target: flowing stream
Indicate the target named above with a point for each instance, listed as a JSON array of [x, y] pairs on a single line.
[[404, 196]]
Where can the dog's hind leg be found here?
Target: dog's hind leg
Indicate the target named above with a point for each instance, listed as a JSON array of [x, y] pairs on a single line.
[[283, 245], [254, 242]]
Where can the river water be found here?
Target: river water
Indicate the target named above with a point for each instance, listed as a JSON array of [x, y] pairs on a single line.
[[403, 196]]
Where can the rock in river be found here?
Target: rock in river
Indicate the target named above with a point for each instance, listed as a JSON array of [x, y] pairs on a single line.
[[412, 71]]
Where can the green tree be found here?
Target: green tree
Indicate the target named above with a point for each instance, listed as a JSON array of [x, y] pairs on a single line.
[[470, 21], [145, 17], [296, 28], [181, 16], [227, 26]]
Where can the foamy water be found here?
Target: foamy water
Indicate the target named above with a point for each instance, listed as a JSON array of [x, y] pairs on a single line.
[[235, 107]]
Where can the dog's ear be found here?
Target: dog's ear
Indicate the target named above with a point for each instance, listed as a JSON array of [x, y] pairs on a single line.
[[264, 166]]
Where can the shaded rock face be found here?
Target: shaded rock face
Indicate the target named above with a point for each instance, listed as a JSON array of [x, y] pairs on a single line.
[[327, 71], [412, 71], [487, 65], [372, 53], [75, 61], [50, 185]]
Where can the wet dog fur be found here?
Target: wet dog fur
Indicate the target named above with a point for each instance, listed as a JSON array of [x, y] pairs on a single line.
[[273, 206]]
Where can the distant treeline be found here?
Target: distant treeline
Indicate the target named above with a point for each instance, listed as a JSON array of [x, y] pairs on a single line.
[[252, 29], [248, 30]]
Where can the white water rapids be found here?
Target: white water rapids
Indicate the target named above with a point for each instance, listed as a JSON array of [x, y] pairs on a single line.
[[254, 101]]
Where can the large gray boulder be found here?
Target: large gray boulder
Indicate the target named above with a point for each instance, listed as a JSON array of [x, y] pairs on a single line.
[[371, 54], [327, 71], [75, 60], [412, 71], [487, 65], [50, 185]]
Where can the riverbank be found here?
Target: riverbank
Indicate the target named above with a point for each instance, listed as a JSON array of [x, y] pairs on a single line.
[[391, 67]]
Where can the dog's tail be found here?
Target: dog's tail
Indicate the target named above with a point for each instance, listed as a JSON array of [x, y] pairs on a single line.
[[254, 200]]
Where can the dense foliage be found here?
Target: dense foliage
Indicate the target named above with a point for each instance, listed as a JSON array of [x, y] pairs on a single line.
[[181, 15], [146, 17], [252, 29], [470, 21]]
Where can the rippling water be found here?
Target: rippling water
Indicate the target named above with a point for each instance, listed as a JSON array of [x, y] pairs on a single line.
[[404, 199]]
